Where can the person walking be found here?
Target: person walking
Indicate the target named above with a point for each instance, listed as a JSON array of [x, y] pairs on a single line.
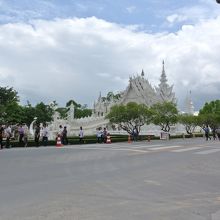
[[25, 135], [37, 135], [45, 134], [104, 135], [81, 135], [135, 134], [64, 136], [21, 136], [8, 135], [99, 136], [207, 131], [214, 133], [60, 134], [1, 136], [218, 133]]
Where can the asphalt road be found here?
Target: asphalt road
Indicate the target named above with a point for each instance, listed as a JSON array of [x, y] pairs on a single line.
[[157, 180]]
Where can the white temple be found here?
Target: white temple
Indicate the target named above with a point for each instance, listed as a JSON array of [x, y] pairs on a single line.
[[139, 90]]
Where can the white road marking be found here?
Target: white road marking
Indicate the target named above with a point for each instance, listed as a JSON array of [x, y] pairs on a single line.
[[186, 149], [164, 148], [110, 148], [208, 151], [147, 146]]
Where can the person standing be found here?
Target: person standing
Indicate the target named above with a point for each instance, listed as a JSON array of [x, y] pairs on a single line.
[[25, 135], [45, 134], [37, 135], [206, 129], [99, 136], [81, 135], [218, 133], [64, 136], [21, 136], [60, 134], [135, 134], [214, 133], [104, 135], [1, 136], [8, 135]]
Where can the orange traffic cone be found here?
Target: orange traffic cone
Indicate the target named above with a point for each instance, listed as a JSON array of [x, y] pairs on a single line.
[[108, 140], [59, 143], [129, 138]]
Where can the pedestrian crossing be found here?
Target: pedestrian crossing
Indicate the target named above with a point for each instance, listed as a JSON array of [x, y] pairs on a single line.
[[144, 148], [135, 148]]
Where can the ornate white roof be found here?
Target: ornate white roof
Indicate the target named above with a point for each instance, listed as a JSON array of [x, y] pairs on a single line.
[[139, 90]]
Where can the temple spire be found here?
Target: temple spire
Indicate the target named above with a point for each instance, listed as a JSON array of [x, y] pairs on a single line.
[[163, 78], [164, 91], [189, 107], [100, 96]]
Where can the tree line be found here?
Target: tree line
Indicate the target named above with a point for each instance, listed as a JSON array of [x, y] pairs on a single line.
[[127, 117], [12, 112], [134, 116]]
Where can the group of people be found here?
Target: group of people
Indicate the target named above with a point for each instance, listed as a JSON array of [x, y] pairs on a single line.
[[215, 133], [101, 135], [7, 134], [62, 134], [41, 133]]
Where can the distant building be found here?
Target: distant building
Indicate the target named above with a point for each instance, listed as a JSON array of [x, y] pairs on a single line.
[[189, 107], [139, 90]]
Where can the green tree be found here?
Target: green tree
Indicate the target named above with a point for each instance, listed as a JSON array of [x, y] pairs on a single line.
[[74, 103], [210, 114], [28, 114], [13, 113], [81, 111], [63, 112], [43, 113], [164, 114], [129, 116], [189, 121], [8, 98]]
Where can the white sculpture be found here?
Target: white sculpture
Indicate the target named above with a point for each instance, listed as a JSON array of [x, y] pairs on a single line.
[[70, 113], [31, 129]]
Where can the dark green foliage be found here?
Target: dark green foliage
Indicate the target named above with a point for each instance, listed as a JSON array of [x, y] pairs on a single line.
[[74, 103], [63, 112], [111, 96], [189, 121], [210, 114], [8, 99], [43, 113], [165, 114], [130, 116], [81, 111]]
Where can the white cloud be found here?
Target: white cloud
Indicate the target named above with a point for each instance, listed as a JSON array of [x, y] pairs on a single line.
[[131, 9], [77, 58], [204, 9], [176, 18]]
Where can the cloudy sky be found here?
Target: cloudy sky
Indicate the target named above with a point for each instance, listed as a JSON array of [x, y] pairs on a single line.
[[73, 49]]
